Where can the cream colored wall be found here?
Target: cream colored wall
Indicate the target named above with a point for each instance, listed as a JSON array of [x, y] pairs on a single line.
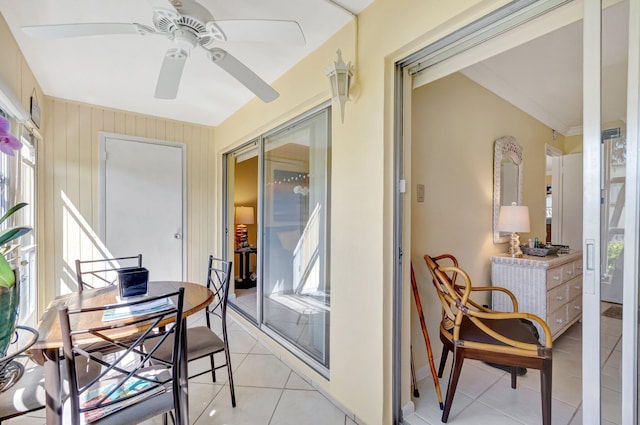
[[455, 123], [69, 154], [362, 257], [14, 70], [572, 144]]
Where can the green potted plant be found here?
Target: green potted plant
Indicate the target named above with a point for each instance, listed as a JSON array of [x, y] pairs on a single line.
[[9, 289]]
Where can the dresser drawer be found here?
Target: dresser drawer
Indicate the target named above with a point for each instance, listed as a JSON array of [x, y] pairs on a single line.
[[557, 297], [577, 267], [568, 271], [574, 308], [557, 319], [575, 287], [554, 277]]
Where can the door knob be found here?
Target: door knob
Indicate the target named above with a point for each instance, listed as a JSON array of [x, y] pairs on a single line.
[[177, 236]]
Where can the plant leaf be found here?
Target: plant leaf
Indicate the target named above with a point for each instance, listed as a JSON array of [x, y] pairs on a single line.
[[7, 276], [12, 210], [7, 235]]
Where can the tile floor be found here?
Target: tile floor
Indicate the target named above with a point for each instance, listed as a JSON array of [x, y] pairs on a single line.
[[484, 394], [269, 392]]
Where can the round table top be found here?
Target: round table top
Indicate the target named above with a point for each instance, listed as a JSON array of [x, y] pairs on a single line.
[[196, 298]]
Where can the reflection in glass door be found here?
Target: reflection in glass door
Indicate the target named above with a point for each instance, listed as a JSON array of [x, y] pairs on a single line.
[[242, 197], [296, 291], [614, 152]]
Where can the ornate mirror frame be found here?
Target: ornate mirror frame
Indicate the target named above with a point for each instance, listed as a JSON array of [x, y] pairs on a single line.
[[505, 149]]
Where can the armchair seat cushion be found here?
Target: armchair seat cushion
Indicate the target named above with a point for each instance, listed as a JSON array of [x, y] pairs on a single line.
[[516, 329]]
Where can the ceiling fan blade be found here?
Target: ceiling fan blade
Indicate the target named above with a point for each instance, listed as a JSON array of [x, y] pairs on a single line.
[[279, 32], [240, 72], [162, 4], [79, 30], [171, 73]]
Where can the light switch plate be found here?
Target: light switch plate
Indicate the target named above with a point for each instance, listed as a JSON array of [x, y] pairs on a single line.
[[420, 192]]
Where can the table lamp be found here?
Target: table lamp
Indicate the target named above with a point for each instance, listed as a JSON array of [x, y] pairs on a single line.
[[514, 218], [244, 216]]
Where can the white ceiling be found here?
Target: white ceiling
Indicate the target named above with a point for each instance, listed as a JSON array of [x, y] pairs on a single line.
[[120, 71], [544, 76]]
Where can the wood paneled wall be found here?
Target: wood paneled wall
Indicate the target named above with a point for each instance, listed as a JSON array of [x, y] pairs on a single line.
[[68, 182]]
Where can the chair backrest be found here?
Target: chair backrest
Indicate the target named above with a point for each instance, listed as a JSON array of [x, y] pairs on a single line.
[[444, 284], [218, 280], [124, 380], [451, 276], [99, 273]]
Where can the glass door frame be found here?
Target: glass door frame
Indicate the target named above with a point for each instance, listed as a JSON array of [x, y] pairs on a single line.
[[591, 209]]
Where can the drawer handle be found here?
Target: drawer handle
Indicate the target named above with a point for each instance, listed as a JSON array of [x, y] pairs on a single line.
[[576, 307], [559, 321], [569, 272], [556, 277], [578, 287], [559, 298]]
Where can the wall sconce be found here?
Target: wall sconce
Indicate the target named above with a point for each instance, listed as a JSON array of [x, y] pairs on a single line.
[[243, 216], [340, 75], [514, 219]]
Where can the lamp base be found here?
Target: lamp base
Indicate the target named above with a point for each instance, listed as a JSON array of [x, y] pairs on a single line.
[[242, 239], [514, 248]]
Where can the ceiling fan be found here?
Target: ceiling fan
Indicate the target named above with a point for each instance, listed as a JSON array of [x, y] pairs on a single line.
[[189, 24]]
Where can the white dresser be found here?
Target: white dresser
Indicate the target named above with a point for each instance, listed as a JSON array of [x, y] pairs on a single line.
[[549, 287]]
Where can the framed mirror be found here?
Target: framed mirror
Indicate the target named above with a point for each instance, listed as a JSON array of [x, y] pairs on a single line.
[[507, 180]]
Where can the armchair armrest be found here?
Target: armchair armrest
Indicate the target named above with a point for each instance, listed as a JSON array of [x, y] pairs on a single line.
[[512, 297]]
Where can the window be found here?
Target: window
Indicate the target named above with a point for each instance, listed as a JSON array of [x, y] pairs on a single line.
[[26, 193], [17, 184]]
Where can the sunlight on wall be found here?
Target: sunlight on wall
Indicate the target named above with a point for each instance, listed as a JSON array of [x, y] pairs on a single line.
[[76, 228]]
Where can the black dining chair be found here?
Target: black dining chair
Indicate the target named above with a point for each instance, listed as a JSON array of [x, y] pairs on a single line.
[[128, 389], [203, 340], [93, 274]]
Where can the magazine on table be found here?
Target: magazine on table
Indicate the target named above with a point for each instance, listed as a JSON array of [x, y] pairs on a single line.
[[141, 309]]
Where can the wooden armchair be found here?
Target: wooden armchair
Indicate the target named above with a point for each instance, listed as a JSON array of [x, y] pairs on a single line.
[[473, 331]]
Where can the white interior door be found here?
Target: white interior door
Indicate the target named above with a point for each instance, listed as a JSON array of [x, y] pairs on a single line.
[[571, 233], [143, 203]]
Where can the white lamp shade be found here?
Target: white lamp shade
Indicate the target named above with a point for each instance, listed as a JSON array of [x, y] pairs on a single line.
[[244, 215], [513, 218]]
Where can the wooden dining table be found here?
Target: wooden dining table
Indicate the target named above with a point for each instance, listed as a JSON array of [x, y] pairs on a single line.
[[47, 350]]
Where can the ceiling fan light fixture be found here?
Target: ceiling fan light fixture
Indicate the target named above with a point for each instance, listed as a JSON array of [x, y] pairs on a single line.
[[184, 39]]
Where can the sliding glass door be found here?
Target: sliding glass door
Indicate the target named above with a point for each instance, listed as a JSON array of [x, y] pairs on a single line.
[[282, 268]]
